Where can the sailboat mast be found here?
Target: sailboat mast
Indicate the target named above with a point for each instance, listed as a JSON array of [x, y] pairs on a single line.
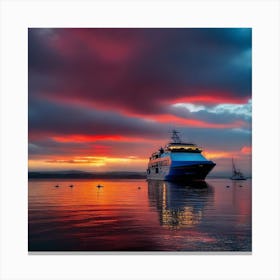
[[233, 167], [236, 173]]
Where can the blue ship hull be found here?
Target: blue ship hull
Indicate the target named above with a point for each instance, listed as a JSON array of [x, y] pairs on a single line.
[[180, 167], [191, 171]]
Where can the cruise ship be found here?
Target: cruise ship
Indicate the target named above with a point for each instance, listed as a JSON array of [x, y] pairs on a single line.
[[178, 161]]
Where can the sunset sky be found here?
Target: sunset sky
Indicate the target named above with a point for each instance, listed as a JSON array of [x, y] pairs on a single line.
[[105, 99]]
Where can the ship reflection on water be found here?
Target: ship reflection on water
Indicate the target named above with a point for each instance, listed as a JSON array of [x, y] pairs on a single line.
[[139, 215], [179, 205]]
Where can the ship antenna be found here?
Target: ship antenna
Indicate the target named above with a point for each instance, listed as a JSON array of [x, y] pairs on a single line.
[[175, 137]]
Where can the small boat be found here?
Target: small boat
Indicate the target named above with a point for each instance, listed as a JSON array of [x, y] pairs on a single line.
[[236, 173], [56, 186], [99, 186], [71, 186]]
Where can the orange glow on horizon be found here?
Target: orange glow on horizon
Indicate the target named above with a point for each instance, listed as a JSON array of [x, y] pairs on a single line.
[[117, 163], [102, 163], [96, 160], [216, 154]]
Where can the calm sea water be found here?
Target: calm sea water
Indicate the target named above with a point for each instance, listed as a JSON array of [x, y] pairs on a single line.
[[136, 215]]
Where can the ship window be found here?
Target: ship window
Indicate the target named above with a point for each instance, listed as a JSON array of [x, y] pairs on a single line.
[[157, 170]]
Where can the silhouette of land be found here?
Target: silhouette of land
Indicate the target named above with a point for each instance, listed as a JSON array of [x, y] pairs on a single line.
[[76, 174]]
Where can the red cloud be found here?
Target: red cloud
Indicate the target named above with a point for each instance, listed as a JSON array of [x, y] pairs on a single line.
[[195, 123], [211, 98], [93, 138], [246, 150], [109, 45]]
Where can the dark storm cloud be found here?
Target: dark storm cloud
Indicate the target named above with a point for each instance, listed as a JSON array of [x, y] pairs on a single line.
[[47, 118], [41, 57], [138, 70], [203, 59]]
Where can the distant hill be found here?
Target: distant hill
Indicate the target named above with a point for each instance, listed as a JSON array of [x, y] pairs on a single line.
[[76, 174]]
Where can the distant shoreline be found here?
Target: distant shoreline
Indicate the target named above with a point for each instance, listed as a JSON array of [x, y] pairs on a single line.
[[85, 175], [36, 175]]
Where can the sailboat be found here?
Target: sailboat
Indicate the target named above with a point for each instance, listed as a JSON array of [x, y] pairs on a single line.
[[236, 173]]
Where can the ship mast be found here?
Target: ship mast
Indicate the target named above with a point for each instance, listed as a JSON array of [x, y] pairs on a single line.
[[234, 171], [175, 137]]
